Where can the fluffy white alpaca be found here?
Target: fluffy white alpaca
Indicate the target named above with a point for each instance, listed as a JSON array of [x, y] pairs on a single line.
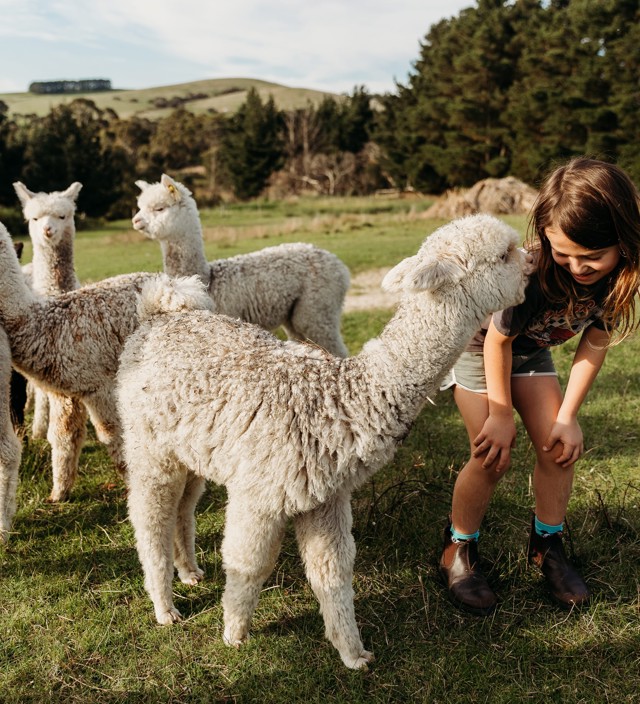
[[52, 231], [10, 447], [290, 430], [69, 345], [297, 286]]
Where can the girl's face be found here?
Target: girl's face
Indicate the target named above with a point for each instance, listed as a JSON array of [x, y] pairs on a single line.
[[586, 266]]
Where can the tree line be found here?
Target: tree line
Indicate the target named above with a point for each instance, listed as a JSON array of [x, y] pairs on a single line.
[[503, 88]]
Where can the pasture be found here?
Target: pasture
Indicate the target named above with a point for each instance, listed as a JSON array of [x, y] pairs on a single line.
[[77, 625]]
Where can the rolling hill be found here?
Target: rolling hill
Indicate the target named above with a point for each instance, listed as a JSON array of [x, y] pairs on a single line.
[[219, 94]]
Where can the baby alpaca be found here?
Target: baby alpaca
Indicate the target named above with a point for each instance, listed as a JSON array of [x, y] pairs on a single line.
[[69, 344], [289, 429], [52, 231], [10, 447], [297, 286]]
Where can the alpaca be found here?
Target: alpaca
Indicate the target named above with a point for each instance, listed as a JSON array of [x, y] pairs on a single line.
[[10, 446], [297, 286], [289, 429], [52, 231], [69, 345]]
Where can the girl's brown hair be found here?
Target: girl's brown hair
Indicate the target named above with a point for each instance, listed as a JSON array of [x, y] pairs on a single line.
[[596, 205]]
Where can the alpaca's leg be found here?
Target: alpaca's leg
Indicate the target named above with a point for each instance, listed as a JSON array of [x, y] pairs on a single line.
[[10, 452], [328, 550], [40, 424], [318, 320], [104, 417], [153, 508], [249, 550], [67, 431], [185, 537]]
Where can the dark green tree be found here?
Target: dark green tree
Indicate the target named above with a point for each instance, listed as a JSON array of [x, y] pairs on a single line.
[[251, 146], [69, 145]]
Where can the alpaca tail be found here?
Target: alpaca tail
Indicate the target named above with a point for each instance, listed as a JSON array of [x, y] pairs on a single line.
[[164, 294]]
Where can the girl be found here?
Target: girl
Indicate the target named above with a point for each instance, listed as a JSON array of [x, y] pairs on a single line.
[[584, 234]]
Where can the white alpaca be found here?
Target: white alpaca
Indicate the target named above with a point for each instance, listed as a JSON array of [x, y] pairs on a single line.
[[52, 231], [69, 345], [290, 430], [297, 286], [10, 447]]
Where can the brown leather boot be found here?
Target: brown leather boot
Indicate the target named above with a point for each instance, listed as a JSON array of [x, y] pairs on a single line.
[[468, 587], [565, 584]]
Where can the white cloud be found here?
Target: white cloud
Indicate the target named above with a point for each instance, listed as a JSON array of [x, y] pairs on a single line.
[[323, 44]]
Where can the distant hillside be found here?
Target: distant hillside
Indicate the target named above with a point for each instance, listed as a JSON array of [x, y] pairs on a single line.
[[220, 94]]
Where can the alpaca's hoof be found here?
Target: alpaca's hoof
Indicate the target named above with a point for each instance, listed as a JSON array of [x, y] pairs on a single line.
[[233, 640], [192, 578], [361, 662], [166, 618], [56, 496]]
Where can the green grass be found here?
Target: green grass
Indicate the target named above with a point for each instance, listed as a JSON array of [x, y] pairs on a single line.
[[78, 627]]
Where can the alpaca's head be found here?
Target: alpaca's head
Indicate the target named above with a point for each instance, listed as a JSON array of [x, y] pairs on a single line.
[[50, 215], [474, 260], [166, 210]]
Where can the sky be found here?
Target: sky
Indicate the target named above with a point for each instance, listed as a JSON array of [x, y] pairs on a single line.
[[320, 44]]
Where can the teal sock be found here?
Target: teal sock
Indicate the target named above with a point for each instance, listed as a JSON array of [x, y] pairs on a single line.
[[463, 537], [544, 529]]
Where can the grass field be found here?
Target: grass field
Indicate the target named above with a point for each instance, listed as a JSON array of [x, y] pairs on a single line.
[[78, 627], [218, 94]]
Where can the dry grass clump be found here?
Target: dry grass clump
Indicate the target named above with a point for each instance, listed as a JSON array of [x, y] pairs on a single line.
[[497, 196]]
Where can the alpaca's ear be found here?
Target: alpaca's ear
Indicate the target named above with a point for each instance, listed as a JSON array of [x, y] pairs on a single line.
[[395, 280], [436, 272], [419, 274], [171, 186], [23, 193], [142, 185], [73, 190]]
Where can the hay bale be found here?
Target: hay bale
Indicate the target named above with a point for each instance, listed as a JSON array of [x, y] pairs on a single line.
[[497, 196]]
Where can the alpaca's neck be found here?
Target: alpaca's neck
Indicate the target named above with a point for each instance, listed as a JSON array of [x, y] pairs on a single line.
[[184, 256], [15, 295], [53, 268], [409, 359]]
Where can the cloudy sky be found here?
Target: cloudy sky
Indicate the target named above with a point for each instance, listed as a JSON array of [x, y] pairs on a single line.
[[322, 44]]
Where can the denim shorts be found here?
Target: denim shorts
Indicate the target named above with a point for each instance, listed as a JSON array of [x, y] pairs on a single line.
[[468, 371]]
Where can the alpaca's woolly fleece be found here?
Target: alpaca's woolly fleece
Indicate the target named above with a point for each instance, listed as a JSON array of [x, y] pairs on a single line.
[[52, 231], [297, 286], [10, 447], [70, 345], [291, 430]]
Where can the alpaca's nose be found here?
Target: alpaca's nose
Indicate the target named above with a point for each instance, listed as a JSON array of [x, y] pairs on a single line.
[[47, 231]]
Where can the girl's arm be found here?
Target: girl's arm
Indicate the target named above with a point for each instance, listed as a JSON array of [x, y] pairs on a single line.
[[498, 434], [588, 359]]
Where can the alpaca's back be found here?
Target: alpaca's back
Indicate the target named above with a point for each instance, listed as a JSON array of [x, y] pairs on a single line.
[[71, 342]]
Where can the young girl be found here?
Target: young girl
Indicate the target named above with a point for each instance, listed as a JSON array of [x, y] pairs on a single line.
[[584, 235]]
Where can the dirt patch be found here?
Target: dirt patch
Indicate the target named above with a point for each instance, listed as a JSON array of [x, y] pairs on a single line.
[[498, 196], [365, 292]]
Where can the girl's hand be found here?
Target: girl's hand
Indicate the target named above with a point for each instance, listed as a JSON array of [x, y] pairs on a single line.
[[497, 437], [570, 435]]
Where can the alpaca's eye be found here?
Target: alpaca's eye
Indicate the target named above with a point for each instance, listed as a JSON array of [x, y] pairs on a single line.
[[62, 217], [35, 219], [160, 209]]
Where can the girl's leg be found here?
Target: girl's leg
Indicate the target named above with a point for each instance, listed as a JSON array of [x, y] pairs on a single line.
[[538, 400], [474, 487]]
